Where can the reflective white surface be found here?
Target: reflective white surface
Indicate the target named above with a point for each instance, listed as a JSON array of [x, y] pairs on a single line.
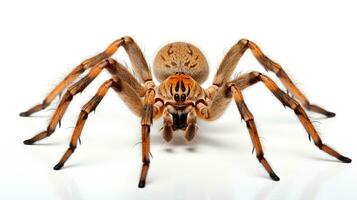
[[314, 42]]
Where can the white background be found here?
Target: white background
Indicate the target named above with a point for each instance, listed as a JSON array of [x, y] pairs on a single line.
[[313, 40]]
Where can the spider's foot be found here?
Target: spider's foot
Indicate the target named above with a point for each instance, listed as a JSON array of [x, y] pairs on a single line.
[[28, 142], [330, 114], [25, 114], [34, 109], [58, 166], [141, 184], [345, 159], [274, 176]]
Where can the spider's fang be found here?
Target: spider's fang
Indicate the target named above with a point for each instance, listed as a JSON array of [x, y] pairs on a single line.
[[59, 124], [79, 140], [253, 150]]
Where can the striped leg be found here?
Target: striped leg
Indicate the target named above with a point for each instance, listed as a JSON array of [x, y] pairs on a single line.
[[232, 58], [249, 120], [137, 59], [86, 110], [146, 122], [78, 87], [253, 77]]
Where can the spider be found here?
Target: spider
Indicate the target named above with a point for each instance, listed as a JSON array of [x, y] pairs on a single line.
[[179, 99]]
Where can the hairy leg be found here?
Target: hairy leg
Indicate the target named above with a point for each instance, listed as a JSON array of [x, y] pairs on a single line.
[[136, 57], [232, 58], [212, 111], [86, 110], [131, 96], [249, 120], [146, 121], [218, 102], [253, 77]]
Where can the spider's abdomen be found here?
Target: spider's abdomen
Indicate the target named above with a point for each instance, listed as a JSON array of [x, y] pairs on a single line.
[[180, 57]]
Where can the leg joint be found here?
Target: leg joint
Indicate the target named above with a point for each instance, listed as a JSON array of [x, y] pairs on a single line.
[[298, 110], [72, 147], [110, 62], [83, 114], [127, 39], [318, 143], [68, 95], [146, 161], [243, 42], [49, 131], [255, 73], [280, 73], [260, 156], [45, 103]]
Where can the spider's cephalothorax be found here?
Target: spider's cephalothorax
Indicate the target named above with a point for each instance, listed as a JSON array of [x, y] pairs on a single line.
[[180, 93], [178, 99]]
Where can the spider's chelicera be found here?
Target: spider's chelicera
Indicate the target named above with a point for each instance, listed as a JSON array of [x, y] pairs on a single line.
[[179, 98]]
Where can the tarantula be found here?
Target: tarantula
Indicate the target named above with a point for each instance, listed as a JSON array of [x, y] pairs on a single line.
[[179, 98]]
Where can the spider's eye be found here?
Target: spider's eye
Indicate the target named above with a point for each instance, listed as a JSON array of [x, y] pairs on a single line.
[[177, 97], [183, 97]]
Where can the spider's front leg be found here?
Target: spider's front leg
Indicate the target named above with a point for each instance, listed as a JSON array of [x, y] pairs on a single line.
[[214, 110], [146, 121], [249, 120], [222, 95]]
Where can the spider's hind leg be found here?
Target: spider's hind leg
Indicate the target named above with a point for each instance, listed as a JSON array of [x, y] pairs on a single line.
[[253, 77], [232, 58]]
